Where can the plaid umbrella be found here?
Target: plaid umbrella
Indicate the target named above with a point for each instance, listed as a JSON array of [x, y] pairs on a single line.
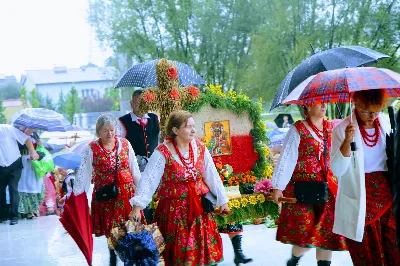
[[144, 75], [41, 118], [336, 58], [337, 85]]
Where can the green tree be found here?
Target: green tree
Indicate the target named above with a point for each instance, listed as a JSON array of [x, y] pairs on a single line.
[[24, 97], [2, 116], [72, 105], [248, 45], [48, 103], [61, 103], [34, 99], [10, 91], [114, 94]]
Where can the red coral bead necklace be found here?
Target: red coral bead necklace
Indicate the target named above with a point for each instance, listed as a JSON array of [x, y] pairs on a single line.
[[369, 139]]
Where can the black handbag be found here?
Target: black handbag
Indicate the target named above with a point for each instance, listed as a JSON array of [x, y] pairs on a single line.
[[208, 206], [312, 192], [110, 191]]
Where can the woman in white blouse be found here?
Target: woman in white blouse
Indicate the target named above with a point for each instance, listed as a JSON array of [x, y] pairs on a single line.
[[364, 207], [183, 171], [304, 160], [108, 160]]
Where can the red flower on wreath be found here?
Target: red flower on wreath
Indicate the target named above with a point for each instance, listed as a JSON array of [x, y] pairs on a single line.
[[148, 97], [174, 93], [194, 91], [172, 72]]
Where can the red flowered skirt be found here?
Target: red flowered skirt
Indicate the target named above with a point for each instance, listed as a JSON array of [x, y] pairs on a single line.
[[187, 244], [378, 246], [306, 225], [109, 214]]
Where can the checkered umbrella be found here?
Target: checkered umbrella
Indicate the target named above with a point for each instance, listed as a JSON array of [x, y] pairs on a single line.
[[336, 58], [337, 85], [144, 75]]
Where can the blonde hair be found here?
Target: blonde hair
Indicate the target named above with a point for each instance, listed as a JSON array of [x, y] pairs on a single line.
[[373, 100], [176, 119]]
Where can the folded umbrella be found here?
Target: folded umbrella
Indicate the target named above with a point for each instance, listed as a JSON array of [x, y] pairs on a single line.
[[137, 244], [42, 119], [76, 221], [396, 173]]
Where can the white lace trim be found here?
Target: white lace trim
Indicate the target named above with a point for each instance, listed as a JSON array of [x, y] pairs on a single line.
[[287, 161], [151, 178], [84, 176], [154, 171]]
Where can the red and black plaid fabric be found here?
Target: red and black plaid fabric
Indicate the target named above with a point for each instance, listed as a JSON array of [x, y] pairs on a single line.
[[337, 85]]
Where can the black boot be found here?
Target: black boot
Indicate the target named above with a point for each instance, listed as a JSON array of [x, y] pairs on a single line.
[[113, 258], [324, 263], [294, 261], [237, 248]]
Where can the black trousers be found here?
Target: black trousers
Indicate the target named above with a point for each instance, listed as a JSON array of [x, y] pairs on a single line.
[[9, 176]]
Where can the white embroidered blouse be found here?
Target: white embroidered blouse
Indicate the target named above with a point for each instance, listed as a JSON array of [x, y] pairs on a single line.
[[84, 176], [288, 158], [152, 175]]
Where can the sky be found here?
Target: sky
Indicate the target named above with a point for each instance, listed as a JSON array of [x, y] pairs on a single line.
[[42, 34]]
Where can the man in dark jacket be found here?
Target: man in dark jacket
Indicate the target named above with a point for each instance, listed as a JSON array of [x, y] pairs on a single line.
[[141, 130]]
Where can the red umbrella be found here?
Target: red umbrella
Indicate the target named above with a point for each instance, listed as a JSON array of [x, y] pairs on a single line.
[[76, 221], [337, 85]]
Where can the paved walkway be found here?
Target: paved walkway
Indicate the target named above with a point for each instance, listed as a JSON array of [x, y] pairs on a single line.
[[43, 242]]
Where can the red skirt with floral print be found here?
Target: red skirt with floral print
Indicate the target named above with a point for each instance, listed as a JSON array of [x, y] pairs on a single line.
[[308, 225], [187, 244], [378, 246]]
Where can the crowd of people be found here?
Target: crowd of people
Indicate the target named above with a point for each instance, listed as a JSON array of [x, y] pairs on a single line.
[[357, 214], [344, 200]]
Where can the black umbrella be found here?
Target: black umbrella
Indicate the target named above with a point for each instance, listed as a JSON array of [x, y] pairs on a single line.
[[394, 166], [336, 58], [279, 120], [144, 75]]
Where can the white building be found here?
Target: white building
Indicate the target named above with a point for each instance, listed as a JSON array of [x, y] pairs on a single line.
[[88, 81]]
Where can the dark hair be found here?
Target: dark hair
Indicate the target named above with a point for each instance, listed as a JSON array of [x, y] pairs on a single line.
[[137, 93], [373, 100]]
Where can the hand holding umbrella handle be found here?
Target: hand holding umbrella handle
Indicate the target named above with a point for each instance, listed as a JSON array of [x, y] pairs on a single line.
[[353, 146]]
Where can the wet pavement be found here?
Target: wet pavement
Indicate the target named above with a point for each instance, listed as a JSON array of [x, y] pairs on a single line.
[[44, 242]]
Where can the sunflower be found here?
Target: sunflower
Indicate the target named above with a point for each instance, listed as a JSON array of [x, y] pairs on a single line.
[[244, 202], [260, 198], [253, 200]]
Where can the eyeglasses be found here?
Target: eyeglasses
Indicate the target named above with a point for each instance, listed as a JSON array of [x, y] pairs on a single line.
[[366, 113]]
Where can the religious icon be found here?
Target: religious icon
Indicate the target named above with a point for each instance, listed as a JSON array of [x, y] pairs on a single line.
[[218, 138]]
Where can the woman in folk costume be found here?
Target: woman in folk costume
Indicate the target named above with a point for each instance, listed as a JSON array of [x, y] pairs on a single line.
[[364, 207], [108, 160], [30, 186], [304, 160], [183, 171]]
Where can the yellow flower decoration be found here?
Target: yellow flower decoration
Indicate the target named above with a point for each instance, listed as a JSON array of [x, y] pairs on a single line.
[[244, 202], [253, 200], [269, 170], [230, 204], [217, 90], [260, 198], [235, 204], [232, 95]]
